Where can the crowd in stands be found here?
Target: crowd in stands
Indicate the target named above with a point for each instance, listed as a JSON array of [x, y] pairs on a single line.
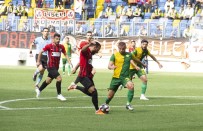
[[177, 9], [129, 14]]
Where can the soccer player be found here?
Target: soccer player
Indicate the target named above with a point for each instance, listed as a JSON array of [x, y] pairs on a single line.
[[54, 51], [81, 45], [40, 43], [140, 53], [68, 49], [85, 76], [120, 63]]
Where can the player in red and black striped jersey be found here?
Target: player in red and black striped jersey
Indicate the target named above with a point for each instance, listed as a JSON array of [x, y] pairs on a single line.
[[85, 76], [54, 51]]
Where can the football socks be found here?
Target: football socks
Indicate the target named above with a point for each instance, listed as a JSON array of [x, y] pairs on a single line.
[[39, 78], [44, 84], [144, 88], [130, 95], [58, 87]]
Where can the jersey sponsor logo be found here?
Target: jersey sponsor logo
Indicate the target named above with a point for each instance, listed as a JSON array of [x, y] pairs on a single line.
[[56, 54], [127, 55]]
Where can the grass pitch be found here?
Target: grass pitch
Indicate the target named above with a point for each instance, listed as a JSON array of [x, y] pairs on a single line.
[[176, 103]]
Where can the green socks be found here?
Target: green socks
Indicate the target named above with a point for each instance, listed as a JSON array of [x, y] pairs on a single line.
[[108, 100], [144, 88], [130, 96]]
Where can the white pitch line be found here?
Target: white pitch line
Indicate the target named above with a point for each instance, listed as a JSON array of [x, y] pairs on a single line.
[[86, 107], [3, 107], [39, 108], [14, 100]]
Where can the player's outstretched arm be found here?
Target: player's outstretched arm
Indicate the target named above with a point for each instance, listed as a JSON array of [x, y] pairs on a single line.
[[134, 65], [154, 58], [75, 68], [138, 61], [69, 61], [31, 45]]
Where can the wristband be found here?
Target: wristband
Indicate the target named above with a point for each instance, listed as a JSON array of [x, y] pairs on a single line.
[[30, 52]]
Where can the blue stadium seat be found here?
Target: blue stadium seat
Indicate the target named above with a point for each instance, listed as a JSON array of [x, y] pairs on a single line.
[[77, 16], [161, 4], [147, 15]]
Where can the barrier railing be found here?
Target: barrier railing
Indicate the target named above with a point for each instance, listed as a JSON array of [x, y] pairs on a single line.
[[102, 28]]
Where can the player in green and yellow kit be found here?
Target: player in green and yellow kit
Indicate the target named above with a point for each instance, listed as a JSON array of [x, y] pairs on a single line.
[[68, 49], [120, 63], [140, 53]]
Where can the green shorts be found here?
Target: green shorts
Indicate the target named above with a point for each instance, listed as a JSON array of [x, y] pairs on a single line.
[[116, 82], [64, 60], [138, 72]]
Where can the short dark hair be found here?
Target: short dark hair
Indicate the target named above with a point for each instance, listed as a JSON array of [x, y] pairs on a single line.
[[98, 44], [45, 28], [121, 44], [143, 41], [57, 35], [89, 32]]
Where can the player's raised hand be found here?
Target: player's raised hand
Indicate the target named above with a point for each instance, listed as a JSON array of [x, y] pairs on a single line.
[[73, 71], [160, 65]]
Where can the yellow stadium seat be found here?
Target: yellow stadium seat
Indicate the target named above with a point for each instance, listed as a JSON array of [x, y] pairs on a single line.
[[176, 23]]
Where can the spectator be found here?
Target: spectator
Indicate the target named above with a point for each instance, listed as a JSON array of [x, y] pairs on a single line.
[[51, 28], [129, 12], [109, 10], [108, 31], [25, 27], [19, 10], [166, 13], [148, 6], [8, 26], [123, 32], [142, 31], [187, 33], [36, 27], [189, 11], [172, 14], [158, 32], [156, 14], [137, 12], [3, 9], [94, 30], [10, 8], [119, 10], [181, 12], [24, 11], [197, 7], [78, 29], [168, 3]]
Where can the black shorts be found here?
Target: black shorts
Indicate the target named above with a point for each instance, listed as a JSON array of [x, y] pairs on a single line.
[[85, 81], [53, 72], [43, 60]]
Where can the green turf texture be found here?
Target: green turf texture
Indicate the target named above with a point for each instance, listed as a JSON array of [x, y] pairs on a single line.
[[176, 104]]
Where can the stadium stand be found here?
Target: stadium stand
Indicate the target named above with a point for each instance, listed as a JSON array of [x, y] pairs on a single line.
[[120, 21]]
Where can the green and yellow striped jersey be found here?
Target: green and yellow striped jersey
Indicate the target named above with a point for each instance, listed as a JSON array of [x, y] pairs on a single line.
[[139, 53], [122, 63], [68, 50]]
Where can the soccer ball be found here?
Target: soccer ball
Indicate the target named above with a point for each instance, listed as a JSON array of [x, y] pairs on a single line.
[[104, 108]]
